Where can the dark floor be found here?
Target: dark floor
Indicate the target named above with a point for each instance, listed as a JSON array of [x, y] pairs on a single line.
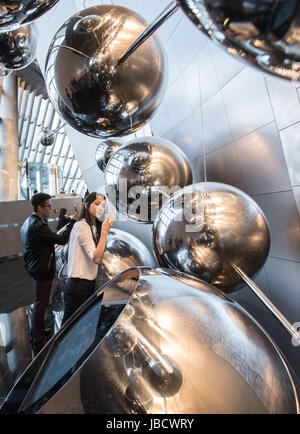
[[16, 299]]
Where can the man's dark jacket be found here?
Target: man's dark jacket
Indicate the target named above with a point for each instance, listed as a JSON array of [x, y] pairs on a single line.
[[38, 244]]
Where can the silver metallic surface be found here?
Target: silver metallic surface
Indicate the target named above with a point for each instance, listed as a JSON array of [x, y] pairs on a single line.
[[204, 226], [142, 175], [122, 251], [264, 33], [47, 137], [84, 83], [18, 47], [162, 17], [15, 13], [273, 309], [104, 151], [181, 346]]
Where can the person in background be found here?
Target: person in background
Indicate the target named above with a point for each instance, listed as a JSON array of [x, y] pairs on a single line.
[[86, 248], [63, 219], [39, 257], [73, 193]]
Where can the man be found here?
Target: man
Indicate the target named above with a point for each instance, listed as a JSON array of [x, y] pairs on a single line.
[[39, 256]]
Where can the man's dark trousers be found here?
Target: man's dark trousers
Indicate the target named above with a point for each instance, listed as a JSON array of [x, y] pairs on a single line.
[[42, 294]]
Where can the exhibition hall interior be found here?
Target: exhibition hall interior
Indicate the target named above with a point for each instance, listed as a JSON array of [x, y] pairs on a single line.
[[174, 127]]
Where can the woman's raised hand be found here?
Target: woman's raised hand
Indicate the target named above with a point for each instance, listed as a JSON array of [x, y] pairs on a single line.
[[107, 224]]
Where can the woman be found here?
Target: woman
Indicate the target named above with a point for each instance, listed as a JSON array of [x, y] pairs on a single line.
[[63, 219], [86, 248]]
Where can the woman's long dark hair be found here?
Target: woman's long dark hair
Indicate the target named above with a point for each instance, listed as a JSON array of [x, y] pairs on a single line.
[[62, 213], [84, 214]]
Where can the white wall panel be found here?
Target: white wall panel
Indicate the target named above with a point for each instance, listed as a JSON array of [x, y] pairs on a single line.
[[290, 138], [281, 212], [215, 123], [262, 161], [285, 101], [247, 102]]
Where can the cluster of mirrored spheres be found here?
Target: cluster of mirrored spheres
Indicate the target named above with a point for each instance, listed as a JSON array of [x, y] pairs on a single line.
[[179, 344]]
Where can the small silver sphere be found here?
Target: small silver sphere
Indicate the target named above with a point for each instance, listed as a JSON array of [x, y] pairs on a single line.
[[264, 33], [104, 151], [15, 13], [150, 169], [84, 83], [47, 137], [205, 226], [184, 348], [18, 47]]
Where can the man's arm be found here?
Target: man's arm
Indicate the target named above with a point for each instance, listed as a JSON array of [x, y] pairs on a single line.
[[45, 233]]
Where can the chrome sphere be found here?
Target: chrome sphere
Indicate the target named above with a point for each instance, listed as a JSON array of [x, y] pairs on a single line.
[[122, 251], [15, 13], [204, 228], [18, 47], [87, 87], [104, 151], [143, 174], [47, 137], [262, 32], [184, 347]]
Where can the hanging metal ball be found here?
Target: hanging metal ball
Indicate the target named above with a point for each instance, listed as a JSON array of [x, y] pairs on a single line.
[[264, 33], [18, 47], [84, 83], [104, 151], [47, 137], [205, 227], [122, 251], [15, 13], [143, 174]]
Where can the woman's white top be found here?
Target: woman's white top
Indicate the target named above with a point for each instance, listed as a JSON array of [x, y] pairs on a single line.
[[81, 252]]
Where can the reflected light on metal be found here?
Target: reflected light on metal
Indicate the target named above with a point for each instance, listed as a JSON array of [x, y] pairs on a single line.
[[264, 33], [104, 151], [84, 83], [153, 168], [15, 13], [143, 366], [18, 47], [204, 226]]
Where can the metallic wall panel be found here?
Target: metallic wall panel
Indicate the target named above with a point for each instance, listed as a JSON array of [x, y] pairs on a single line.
[[262, 161], [216, 126], [247, 102], [201, 70], [197, 166], [188, 41], [284, 283], [227, 67], [290, 138], [223, 166], [187, 136], [177, 102], [285, 101], [281, 212]]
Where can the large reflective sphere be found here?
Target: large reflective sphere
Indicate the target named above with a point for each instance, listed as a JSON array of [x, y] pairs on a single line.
[[18, 47], [180, 346], [160, 342], [143, 174], [104, 151], [15, 13], [262, 32], [205, 226], [88, 89]]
